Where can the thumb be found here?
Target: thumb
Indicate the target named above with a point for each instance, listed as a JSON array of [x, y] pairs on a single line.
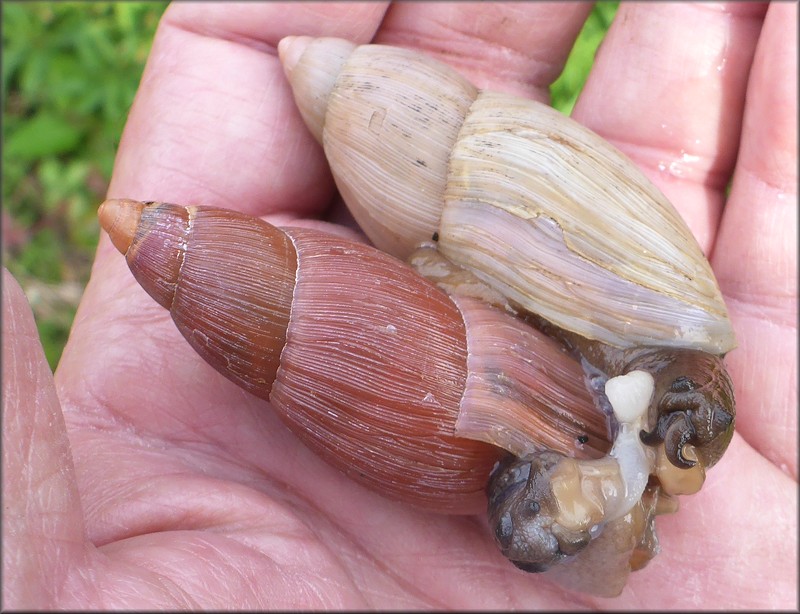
[[43, 528]]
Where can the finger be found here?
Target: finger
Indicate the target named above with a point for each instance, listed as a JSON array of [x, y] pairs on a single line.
[[42, 521], [756, 254], [720, 547], [514, 47], [667, 88], [214, 122]]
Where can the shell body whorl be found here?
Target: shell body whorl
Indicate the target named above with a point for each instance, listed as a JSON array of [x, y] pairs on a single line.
[[533, 203]]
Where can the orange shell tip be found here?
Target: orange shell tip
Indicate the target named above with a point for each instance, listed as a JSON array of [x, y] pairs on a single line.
[[119, 218]]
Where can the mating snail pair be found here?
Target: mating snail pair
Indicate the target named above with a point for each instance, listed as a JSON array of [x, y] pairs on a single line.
[[571, 371]]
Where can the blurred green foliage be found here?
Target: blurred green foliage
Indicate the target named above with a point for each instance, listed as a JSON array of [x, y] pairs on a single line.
[[564, 91], [69, 74]]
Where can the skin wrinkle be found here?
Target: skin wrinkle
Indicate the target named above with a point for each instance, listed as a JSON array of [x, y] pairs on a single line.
[[418, 594], [161, 581], [777, 314], [150, 492], [362, 552], [192, 140], [460, 53], [704, 169], [732, 9], [64, 582], [206, 24], [76, 414], [190, 464], [760, 392], [493, 571], [780, 284], [535, 86], [217, 563], [209, 31], [785, 183]]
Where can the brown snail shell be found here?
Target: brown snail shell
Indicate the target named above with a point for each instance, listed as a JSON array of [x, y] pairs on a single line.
[[375, 387], [404, 392]]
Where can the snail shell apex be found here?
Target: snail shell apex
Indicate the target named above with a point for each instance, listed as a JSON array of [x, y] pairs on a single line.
[[534, 204]]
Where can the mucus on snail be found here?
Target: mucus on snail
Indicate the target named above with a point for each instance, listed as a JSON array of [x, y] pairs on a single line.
[[426, 396]]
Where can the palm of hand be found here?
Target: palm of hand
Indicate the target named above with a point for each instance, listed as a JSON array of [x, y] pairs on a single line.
[[192, 493]]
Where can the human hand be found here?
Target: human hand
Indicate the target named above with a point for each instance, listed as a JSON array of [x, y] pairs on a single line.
[[166, 486]]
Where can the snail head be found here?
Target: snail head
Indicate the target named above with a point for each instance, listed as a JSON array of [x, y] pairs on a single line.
[[522, 513], [694, 409]]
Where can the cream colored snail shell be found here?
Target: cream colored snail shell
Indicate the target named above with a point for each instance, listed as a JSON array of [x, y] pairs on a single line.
[[533, 203]]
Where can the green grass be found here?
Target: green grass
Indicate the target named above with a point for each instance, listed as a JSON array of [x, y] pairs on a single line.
[[564, 91], [69, 74]]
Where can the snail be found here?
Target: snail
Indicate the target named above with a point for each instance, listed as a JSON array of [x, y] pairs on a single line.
[[430, 399]]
